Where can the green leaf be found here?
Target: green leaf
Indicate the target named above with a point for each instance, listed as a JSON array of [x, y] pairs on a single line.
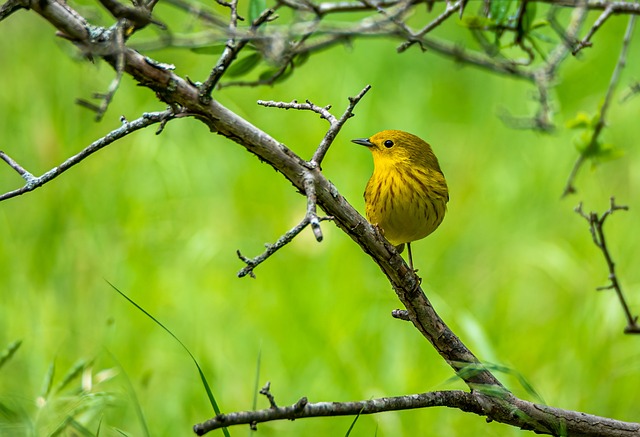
[[476, 22], [582, 120], [48, 381], [72, 374], [499, 9], [537, 24], [491, 390], [203, 379], [9, 351], [301, 59], [268, 74], [244, 65], [214, 49], [529, 17], [255, 8], [607, 152]]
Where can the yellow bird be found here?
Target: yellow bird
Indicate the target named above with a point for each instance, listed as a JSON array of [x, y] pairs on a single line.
[[407, 195]]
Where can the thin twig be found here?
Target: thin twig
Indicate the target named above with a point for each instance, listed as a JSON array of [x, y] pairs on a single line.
[[596, 227], [147, 119], [336, 125], [586, 41], [107, 97], [266, 391], [600, 124], [252, 263], [231, 50], [323, 111], [312, 216]]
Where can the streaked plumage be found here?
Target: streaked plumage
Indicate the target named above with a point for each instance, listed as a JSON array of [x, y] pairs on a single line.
[[407, 194]]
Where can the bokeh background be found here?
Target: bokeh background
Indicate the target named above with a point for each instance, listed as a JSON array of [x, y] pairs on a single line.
[[512, 269]]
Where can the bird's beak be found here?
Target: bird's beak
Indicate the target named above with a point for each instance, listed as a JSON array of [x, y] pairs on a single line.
[[363, 142]]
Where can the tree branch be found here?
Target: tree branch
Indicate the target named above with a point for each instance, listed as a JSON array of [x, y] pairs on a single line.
[[127, 128], [231, 50], [596, 226], [252, 263], [308, 178], [522, 414], [592, 147]]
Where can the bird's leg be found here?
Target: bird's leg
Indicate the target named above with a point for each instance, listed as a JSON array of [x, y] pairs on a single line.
[[415, 271]]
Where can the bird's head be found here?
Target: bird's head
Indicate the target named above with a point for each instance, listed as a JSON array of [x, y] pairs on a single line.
[[397, 147]]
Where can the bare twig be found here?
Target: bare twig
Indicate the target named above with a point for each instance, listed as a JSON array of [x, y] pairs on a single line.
[[596, 226], [107, 97], [613, 82], [309, 181], [632, 91], [451, 8], [312, 216], [323, 111], [266, 391], [586, 41], [252, 263], [231, 50], [147, 119], [336, 125]]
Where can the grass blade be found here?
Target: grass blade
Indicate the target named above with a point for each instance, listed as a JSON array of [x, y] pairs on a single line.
[[205, 383], [9, 351]]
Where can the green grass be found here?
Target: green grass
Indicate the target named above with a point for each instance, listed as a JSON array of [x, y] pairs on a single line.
[[512, 269]]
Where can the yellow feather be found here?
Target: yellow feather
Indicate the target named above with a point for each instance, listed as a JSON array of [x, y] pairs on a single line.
[[407, 194]]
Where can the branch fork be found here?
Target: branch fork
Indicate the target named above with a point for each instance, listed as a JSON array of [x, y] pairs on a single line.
[[127, 128], [312, 170], [596, 227]]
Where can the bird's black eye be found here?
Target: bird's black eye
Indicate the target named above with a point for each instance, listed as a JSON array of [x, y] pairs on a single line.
[[388, 144]]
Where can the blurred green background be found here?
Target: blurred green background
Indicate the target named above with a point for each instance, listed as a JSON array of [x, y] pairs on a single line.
[[512, 269]]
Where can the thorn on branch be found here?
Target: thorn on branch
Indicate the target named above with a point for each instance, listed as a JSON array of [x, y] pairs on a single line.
[[266, 391], [401, 315], [596, 227]]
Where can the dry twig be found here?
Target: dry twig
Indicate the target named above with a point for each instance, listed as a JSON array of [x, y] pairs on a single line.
[[597, 130], [127, 128], [596, 226]]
